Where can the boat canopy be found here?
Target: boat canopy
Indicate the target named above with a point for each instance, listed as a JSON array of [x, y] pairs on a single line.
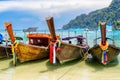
[[18, 38], [106, 38], [78, 37], [39, 39], [38, 35]]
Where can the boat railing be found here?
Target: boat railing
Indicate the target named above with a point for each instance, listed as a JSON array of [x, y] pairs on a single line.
[[95, 40]]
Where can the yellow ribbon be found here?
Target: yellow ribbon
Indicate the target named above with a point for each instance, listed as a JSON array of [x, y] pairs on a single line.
[[59, 43], [14, 45]]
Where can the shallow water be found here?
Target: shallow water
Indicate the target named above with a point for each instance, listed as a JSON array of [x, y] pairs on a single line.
[[74, 70], [90, 35]]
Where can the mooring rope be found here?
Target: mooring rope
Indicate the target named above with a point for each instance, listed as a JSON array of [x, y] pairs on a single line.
[[67, 72]]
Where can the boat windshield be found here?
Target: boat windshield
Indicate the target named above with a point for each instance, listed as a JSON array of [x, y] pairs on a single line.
[[39, 41]]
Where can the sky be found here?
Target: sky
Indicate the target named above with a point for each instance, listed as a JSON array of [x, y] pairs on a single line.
[[32, 13]]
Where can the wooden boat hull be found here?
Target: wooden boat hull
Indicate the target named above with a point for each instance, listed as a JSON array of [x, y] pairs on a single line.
[[4, 50], [67, 51], [96, 52], [70, 52], [27, 52]]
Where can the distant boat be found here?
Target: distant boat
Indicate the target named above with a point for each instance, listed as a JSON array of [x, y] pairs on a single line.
[[36, 49], [104, 52], [64, 52]]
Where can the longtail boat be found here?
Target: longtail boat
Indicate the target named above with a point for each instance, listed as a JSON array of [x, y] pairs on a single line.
[[5, 50], [104, 52], [36, 49], [62, 51]]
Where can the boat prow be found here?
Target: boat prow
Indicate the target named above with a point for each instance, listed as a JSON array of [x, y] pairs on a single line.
[[104, 52], [97, 52]]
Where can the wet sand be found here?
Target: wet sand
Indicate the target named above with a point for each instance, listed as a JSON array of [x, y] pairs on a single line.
[[74, 70]]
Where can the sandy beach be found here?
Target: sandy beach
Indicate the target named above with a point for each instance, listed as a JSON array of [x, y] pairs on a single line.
[[74, 70]]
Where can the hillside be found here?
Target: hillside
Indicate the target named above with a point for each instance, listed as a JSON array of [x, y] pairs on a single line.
[[110, 14]]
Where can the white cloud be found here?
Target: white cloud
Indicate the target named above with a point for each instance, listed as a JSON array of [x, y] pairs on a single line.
[[53, 6]]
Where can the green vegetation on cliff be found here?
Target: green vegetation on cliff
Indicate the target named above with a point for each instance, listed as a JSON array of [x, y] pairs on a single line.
[[109, 14]]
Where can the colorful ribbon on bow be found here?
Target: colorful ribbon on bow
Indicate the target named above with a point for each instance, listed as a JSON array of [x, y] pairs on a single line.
[[105, 52], [53, 50], [104, 57]]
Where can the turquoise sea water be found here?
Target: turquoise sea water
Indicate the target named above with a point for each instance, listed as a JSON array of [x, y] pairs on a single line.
[[90, 35]]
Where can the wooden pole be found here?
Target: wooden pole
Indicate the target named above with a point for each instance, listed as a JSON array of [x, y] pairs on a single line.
[[50, 24], [8, 27], [52, 54], [113, 37], [103, 32], [86, 35]]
